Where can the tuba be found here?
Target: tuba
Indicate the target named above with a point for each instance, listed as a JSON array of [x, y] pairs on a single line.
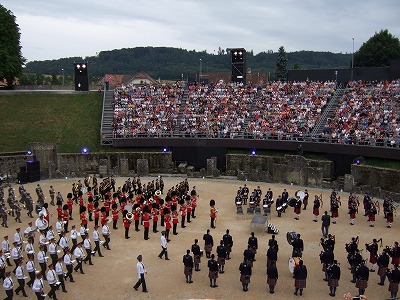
[[129, 215]]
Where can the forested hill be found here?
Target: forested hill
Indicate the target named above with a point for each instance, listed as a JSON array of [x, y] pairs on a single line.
[[171, 63]]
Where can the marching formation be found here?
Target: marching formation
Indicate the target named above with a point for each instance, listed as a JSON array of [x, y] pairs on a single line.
[[64, 248], [330, 265]]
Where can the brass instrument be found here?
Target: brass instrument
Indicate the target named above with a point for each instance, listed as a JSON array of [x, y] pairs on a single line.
[[129, 216]]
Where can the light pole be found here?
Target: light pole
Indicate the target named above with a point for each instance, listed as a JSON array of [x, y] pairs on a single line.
[[336, 76], [200, 72], [62, 70], [352, 61]]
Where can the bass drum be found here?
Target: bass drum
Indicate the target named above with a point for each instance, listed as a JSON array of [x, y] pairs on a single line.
[[293, 263], [291, 236]]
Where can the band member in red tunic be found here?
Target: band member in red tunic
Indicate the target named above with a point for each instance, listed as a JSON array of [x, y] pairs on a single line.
[[161, 210], [65, 217], [83, 216], [80, 199], [167, 219], [136, 215], [96, 213], [175, 221], [213, 213], [103, 216], [107, 204], [193, 198], [127, 224], [154, 213], [183, 210], [146, 222], [70, 203], [59, 209], [90, 208], [115, 215]]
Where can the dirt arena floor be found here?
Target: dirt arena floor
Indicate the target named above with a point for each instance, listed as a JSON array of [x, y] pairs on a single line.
[[113, 276]]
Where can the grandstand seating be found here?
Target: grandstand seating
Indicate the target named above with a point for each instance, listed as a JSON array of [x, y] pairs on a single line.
[[362, 114]]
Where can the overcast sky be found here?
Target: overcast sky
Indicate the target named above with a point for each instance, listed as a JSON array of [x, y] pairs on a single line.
[[52, 29]]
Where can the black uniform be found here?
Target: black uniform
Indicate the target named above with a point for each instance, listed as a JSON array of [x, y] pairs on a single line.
[[245, 274]]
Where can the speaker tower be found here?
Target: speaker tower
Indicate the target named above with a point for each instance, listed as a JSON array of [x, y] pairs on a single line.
[[238, 61], [81, 76]]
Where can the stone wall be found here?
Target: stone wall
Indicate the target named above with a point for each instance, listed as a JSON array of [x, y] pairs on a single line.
[[288, 169]]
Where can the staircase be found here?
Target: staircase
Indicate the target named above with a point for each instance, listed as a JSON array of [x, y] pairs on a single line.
[[328, 112], [185, 97], [106, 131]]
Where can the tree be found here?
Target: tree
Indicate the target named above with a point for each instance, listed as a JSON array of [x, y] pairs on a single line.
[[11, 60], [378, 51], [281, 64]]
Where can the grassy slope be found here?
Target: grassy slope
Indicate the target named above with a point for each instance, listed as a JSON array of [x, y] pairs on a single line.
[[70, 120]]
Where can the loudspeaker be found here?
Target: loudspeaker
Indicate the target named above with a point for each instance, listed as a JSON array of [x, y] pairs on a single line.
[[81, 76], [33, 170], [238, 60], [23, 177]]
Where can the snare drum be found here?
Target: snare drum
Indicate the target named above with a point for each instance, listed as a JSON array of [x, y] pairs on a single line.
[[293, 263]]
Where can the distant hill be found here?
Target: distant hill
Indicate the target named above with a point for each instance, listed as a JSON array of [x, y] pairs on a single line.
[[170, 63]]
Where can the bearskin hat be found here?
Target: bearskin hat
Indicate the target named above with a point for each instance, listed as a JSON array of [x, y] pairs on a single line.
[[103, 209], [161, 201], [89, 189], [114, 206], [146, 209], [59, 202], [80, 193], [115, 195], [96, 204], [212, 202], [165, 210], [69, 195], [106, 197], [82, 209], [173, 207], [65, 207], [90, 199]]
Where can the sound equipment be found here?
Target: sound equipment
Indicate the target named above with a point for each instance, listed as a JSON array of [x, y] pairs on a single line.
[[33, 170], [81, 76], [238, 60]]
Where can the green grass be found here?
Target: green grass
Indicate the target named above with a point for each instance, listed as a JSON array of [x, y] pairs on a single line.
[[70, 120], [383, 163]]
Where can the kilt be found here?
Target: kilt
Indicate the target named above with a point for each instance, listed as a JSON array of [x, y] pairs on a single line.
[[333, 282], [362, 284], [315, 211], [271, 281], [208, 248], [396, 261], [335, 213], [228, 248], [188, 270], [389, 218], [371, 217], [373, 258], [305, 201], [245, 279], [382, 271], [393, 287], [197, 259], [221, 261], [300, 283], [352, 215], [213, 274], [297, 210]]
